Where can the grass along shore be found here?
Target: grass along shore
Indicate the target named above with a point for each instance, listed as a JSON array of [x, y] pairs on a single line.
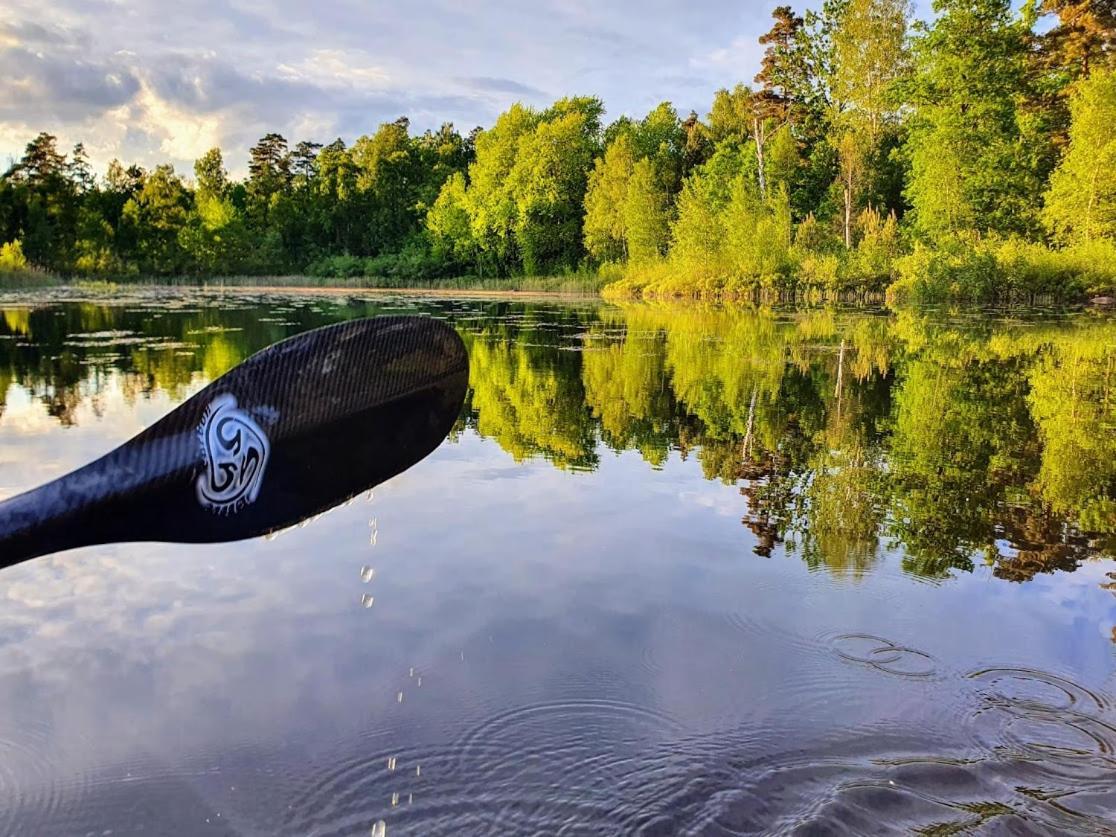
[[985, 273]]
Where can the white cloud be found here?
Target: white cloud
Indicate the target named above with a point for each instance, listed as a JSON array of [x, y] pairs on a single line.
[[145, 80], [334, 68], [741, 57], [182, 135]]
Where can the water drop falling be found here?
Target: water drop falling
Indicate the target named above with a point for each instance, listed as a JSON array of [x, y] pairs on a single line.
[[379, 829], [366, 600], [391, 764], [367, 574], [399, 699], [394, 799]]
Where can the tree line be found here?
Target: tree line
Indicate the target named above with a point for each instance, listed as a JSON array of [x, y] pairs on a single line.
[[968, 157]]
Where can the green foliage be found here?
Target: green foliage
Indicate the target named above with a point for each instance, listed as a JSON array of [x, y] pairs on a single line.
[[877, 249], [757, 239], [448, 223], [158, 214], [969, 168], [869, 58], [296, 206], [645, 214], [822, 271], [783, 161], [605, 198], [952, 271], [12, 259], [527, 186], [726, 238], [627, 205], [1003, 270], [548, 183], [415, 262], [1081, 200]]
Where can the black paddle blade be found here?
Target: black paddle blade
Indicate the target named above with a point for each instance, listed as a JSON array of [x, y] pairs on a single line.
[[294, 430]]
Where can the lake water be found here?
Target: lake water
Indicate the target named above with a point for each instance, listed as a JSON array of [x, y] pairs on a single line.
[[676, 571]]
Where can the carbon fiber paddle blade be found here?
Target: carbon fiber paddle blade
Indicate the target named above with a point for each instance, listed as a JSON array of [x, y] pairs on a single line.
[[294, 430]]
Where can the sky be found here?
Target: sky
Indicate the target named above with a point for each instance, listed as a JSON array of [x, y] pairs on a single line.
[[153, 81]]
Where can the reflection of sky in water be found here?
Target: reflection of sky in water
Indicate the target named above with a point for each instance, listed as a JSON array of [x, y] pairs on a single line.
[[583, 639]]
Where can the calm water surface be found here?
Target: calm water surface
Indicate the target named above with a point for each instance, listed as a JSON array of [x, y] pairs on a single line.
[[677, 571]]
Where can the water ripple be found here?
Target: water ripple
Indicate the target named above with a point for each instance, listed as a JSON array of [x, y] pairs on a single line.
[[884, 655], [1057, 729]]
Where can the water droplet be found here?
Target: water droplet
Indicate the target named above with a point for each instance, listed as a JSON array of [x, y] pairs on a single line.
[[399, 699], [418, 769], [379, 829], [367, 574], [419, 683], [391, 764], [366, 600], [394, 799], [412, 674]]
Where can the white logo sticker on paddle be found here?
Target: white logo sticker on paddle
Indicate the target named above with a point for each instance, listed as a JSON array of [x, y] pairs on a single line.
[[236, 451]]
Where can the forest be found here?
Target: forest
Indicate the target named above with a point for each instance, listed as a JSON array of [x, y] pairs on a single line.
[[969, 158]]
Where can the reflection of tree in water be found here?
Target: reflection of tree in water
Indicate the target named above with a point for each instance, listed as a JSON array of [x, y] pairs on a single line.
[[18, 321], [844, 508], [1073, 397], [1040, 544], [525, 402], [957, 442], [774, 473], [962, 439], [628, 390], [527, 395], [1004, 434], [65, 355]]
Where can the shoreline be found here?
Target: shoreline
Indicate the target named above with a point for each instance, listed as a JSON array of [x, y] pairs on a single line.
[[337, 290], [276, 285]]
